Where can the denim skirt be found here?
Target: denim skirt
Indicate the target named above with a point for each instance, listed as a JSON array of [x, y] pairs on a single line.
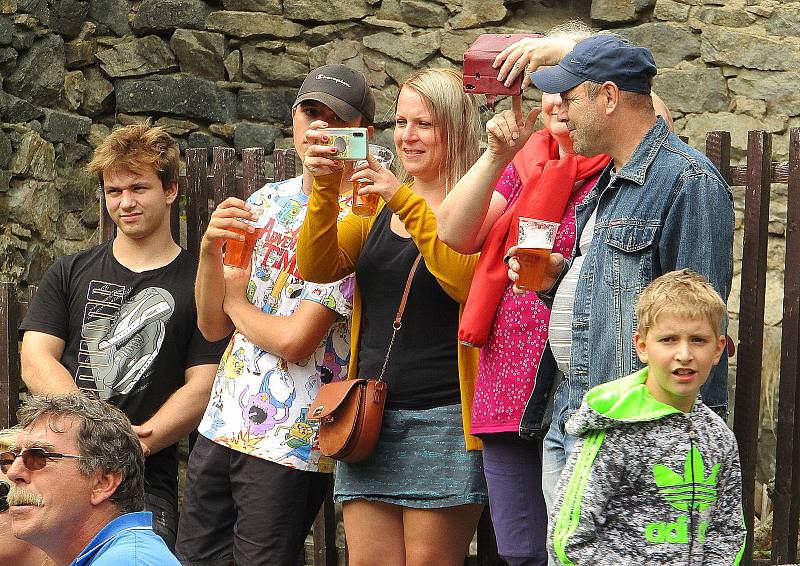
[[420, 461]]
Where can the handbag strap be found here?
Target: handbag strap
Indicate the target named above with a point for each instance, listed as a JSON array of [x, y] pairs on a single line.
[[397, 324]]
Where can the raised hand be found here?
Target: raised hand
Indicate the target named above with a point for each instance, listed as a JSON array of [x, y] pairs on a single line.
[[527, 54], [508, 131]]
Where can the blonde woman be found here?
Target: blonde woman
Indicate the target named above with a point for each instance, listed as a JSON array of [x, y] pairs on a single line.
[[417, 499], [12, 550]]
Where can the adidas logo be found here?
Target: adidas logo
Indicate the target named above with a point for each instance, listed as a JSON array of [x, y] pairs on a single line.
[[681, 491], [696, 491]]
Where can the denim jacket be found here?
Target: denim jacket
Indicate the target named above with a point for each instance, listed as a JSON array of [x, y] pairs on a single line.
[[668, 208]]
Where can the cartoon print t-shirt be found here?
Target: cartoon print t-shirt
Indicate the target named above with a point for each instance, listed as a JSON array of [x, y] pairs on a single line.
[[259, 402]]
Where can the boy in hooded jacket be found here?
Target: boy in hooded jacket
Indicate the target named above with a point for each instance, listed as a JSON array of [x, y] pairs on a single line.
[[655, 478]]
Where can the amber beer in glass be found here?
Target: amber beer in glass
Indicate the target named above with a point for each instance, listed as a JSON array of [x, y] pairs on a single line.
[[366, 205], [535, 242], [239, 252]]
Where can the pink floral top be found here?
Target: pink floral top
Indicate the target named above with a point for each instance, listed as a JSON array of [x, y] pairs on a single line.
[[510, 358]]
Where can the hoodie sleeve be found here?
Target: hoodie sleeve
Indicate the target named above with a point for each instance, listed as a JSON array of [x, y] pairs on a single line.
[[726, 533], [591, 477]]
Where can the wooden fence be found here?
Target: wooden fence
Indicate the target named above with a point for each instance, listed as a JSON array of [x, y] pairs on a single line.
[[203, 189]]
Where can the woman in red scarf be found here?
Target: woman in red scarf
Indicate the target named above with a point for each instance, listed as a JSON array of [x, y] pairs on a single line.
[[530, 174]]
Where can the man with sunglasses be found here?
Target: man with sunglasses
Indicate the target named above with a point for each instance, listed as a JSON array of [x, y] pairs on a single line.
[[77, 474]]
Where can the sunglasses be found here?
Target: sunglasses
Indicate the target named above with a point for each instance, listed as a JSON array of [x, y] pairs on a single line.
[[33, 458]]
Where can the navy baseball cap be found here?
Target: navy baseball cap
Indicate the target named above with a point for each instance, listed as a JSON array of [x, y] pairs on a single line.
[[598, 59]]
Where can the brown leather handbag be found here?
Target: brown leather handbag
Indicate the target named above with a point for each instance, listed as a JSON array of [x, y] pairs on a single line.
[[350, 412]]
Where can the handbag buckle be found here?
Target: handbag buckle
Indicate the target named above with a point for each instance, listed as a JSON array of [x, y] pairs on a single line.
[[318, 411]]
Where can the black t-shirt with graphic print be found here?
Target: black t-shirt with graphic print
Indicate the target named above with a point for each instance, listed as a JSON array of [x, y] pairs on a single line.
[[128, 336]]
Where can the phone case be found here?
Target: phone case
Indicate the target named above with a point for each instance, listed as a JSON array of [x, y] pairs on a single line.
[[479, 75], [351, 143]]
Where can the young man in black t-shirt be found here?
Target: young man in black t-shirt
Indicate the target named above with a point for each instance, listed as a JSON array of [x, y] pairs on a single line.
[[118, 320]]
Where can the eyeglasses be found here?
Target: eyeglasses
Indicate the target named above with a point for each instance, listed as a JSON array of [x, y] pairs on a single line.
[[33, 458]]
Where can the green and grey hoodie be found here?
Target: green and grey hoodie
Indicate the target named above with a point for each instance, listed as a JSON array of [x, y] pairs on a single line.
[[647, 484]]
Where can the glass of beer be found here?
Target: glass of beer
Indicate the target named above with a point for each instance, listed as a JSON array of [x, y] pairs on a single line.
[[534, 244], [239, 252], [366, 205]]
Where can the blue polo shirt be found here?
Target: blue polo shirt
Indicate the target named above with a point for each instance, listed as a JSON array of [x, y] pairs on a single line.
[[128, 540]]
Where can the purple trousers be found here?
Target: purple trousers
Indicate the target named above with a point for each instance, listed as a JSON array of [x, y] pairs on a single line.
[[513, 469]]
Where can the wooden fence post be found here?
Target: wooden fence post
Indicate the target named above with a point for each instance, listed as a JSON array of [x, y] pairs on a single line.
[[196, 197], [785, 514], [9, 362], [751, 319]]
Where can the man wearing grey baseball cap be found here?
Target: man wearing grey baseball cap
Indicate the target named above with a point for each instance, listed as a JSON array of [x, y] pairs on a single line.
[[256, 479], [659, 206]]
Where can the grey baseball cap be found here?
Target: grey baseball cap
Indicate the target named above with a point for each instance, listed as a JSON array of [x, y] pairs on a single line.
[[340, 88]]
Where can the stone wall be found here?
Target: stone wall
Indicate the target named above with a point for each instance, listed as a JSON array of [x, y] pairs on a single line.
[[224, 72]]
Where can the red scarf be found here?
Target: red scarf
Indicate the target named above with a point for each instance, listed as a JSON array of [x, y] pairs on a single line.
[[547, 182]]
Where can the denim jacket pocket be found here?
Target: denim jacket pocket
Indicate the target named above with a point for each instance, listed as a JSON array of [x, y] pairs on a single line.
[[630, 255]]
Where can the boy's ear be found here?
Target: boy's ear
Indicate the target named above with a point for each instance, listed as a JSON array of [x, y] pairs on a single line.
[[722, 345], [641, 347], [370, 132]]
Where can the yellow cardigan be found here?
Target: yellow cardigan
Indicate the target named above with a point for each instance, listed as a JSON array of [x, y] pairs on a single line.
[[327, 251]]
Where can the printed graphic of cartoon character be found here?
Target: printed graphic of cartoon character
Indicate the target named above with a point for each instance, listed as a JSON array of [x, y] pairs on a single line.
[[288, 213], [335, 356], [299, 438], [277, 392]]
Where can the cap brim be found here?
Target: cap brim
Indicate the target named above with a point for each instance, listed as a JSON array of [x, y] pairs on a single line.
[[555, 80], [341, 108]]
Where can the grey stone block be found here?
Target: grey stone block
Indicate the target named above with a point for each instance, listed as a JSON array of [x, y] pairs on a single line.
[[67, 17], [98, 93], [65, 127], [670, 44], [176, 94], [5, 150], [166, 15], [743, 49], [39, 76], [256, 135], [423, 13], [208, 141], [268, 6], [8, 60], [252, 25], [6, 30], [328, 11], [411, 49], [111, 16], [692, 90], [140, 56], [200, 53], [36, 8], [261, 64], [18, 110], [271, 104]]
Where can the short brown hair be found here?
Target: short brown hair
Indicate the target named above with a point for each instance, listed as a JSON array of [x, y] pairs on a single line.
[[681, 293], [136, 148]]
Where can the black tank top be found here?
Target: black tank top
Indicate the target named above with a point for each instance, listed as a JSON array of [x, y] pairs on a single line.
[[423, 367]]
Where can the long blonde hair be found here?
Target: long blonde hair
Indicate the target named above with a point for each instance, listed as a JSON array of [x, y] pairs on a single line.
[[456, 118]]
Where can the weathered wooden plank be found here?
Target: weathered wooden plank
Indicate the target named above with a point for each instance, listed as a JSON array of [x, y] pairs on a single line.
[[782, 550], [224, 180], [9, 355], [107, 227], [718, 150], [751, 319], [325, 552], [252, 170], [196, 197], [285, 164]]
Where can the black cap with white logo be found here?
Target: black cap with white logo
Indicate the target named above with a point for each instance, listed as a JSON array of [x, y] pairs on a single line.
[[340, 88]]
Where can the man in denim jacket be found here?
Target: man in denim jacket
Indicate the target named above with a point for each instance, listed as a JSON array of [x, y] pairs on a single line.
[[660, 205]]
